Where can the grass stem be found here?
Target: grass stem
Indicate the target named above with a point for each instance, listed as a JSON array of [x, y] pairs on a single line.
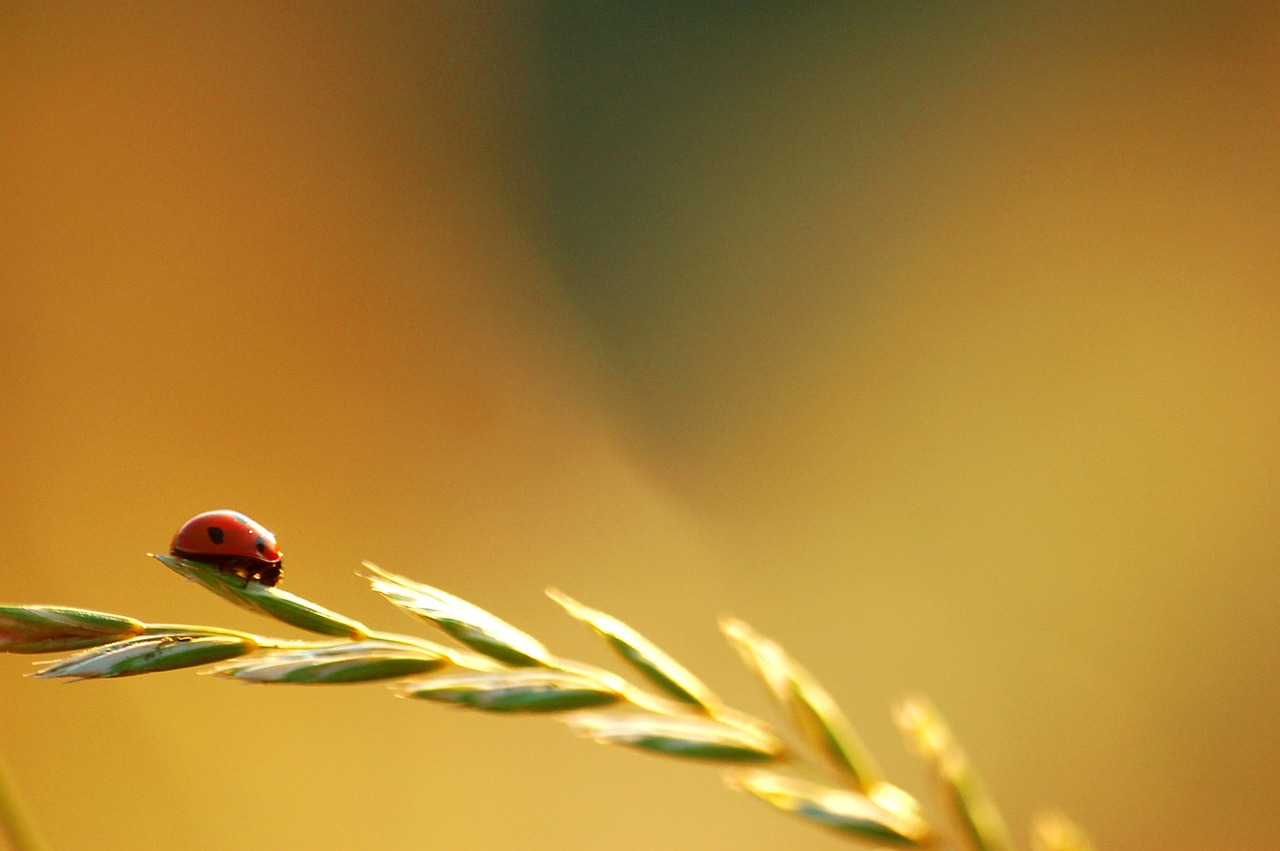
[[15, 819]]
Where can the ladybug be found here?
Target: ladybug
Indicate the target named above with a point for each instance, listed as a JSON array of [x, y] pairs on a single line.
[[232, 543]]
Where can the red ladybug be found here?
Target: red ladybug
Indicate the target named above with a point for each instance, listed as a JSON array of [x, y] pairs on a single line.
[[232, 543]]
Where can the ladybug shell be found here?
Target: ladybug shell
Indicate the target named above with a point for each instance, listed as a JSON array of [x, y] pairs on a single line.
[[231, 542]]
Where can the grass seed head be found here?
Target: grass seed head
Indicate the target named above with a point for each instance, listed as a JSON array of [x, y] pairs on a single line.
[[508, 671]]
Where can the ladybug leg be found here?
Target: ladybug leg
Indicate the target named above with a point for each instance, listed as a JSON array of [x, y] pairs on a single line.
[[239, 570], [269, 575]]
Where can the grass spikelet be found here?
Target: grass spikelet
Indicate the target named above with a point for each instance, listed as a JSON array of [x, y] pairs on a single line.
[[843, 810], [519, 690], [150, 654], [469, 624], [272, 602], [357, 662], [981, 826], [55, 629], [690, 738], [643, 655], [812, 709]]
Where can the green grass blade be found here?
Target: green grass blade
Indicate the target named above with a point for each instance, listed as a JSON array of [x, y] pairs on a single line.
[[643, 655]]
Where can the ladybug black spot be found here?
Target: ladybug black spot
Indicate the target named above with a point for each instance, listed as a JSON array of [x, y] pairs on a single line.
[[260, 544], [215, 534]]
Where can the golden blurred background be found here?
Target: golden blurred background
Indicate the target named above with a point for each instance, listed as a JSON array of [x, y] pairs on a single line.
[[940, 343]]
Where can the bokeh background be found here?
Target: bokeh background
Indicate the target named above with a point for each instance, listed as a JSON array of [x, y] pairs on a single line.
[[942, 343]]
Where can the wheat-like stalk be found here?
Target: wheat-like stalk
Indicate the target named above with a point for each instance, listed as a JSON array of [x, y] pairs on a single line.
[[494, 667]]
